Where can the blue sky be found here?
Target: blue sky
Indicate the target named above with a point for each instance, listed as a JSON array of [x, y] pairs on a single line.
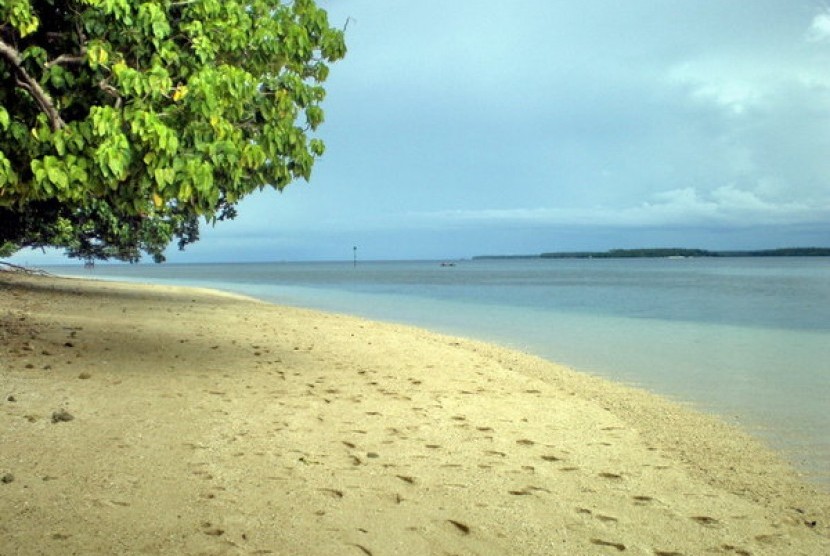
[[482, 127]]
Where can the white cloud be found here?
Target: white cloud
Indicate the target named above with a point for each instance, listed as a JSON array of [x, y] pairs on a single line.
[[725, 206], [729, 205], [820, 28], [734, 85]]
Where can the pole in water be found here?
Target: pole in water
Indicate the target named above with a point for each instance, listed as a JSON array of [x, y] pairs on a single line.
[[354, 249]]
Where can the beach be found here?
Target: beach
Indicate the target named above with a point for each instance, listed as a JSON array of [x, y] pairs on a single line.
[[164, 420]]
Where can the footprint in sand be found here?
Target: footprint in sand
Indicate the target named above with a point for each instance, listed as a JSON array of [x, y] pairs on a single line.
[[333, 492], [599, 542], [464, 529], [363, 549], [600, 517], [737, 550], [523, 492], [527, 491], [209, 529], [706, 521]]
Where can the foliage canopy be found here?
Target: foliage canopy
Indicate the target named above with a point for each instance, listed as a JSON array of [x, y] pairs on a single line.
[[123, 123]]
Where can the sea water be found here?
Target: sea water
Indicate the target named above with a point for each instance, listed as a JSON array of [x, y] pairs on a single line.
[[745, 338]]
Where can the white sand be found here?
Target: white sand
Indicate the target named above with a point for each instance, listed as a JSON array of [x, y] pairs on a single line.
[[211, 424]]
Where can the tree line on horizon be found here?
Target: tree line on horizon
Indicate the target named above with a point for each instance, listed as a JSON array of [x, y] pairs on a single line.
[[670, 252]]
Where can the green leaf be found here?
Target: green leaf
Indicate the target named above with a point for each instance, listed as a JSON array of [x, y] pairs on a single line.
[[164, 176], [314, 116], [96, 54], [185, 191], [60, 145], [55, 172], [78, 172], [21, 17], [7, 174], [317, 147], [201, 101], [38, 171], [36, 54]]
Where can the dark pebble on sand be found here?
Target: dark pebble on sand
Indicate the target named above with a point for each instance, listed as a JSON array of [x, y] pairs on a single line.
[[11, 399], [62, 416], [7, 478]]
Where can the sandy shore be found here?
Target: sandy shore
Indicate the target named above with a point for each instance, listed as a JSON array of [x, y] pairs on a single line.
[[156, 420]]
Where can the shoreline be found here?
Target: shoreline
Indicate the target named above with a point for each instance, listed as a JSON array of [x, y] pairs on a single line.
[[808, 452], [233, 414]]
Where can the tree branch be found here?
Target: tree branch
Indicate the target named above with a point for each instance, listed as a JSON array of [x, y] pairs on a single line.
[[22, 269], [67, 59], [110, 90], [29, 84]]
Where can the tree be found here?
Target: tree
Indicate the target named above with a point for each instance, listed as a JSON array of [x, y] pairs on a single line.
[[124, 123]]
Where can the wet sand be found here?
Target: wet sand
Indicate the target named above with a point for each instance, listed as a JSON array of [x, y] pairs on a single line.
[[159, 420]]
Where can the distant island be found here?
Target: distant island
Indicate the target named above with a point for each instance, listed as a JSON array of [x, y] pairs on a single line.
[[669, 253]]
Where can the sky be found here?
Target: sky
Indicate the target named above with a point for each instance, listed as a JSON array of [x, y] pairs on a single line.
[[475, 127]]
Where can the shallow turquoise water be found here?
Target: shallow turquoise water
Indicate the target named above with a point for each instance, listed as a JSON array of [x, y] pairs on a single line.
[[748, 339]]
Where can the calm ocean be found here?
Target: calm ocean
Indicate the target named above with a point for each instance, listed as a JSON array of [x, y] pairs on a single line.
[[745, 338]]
